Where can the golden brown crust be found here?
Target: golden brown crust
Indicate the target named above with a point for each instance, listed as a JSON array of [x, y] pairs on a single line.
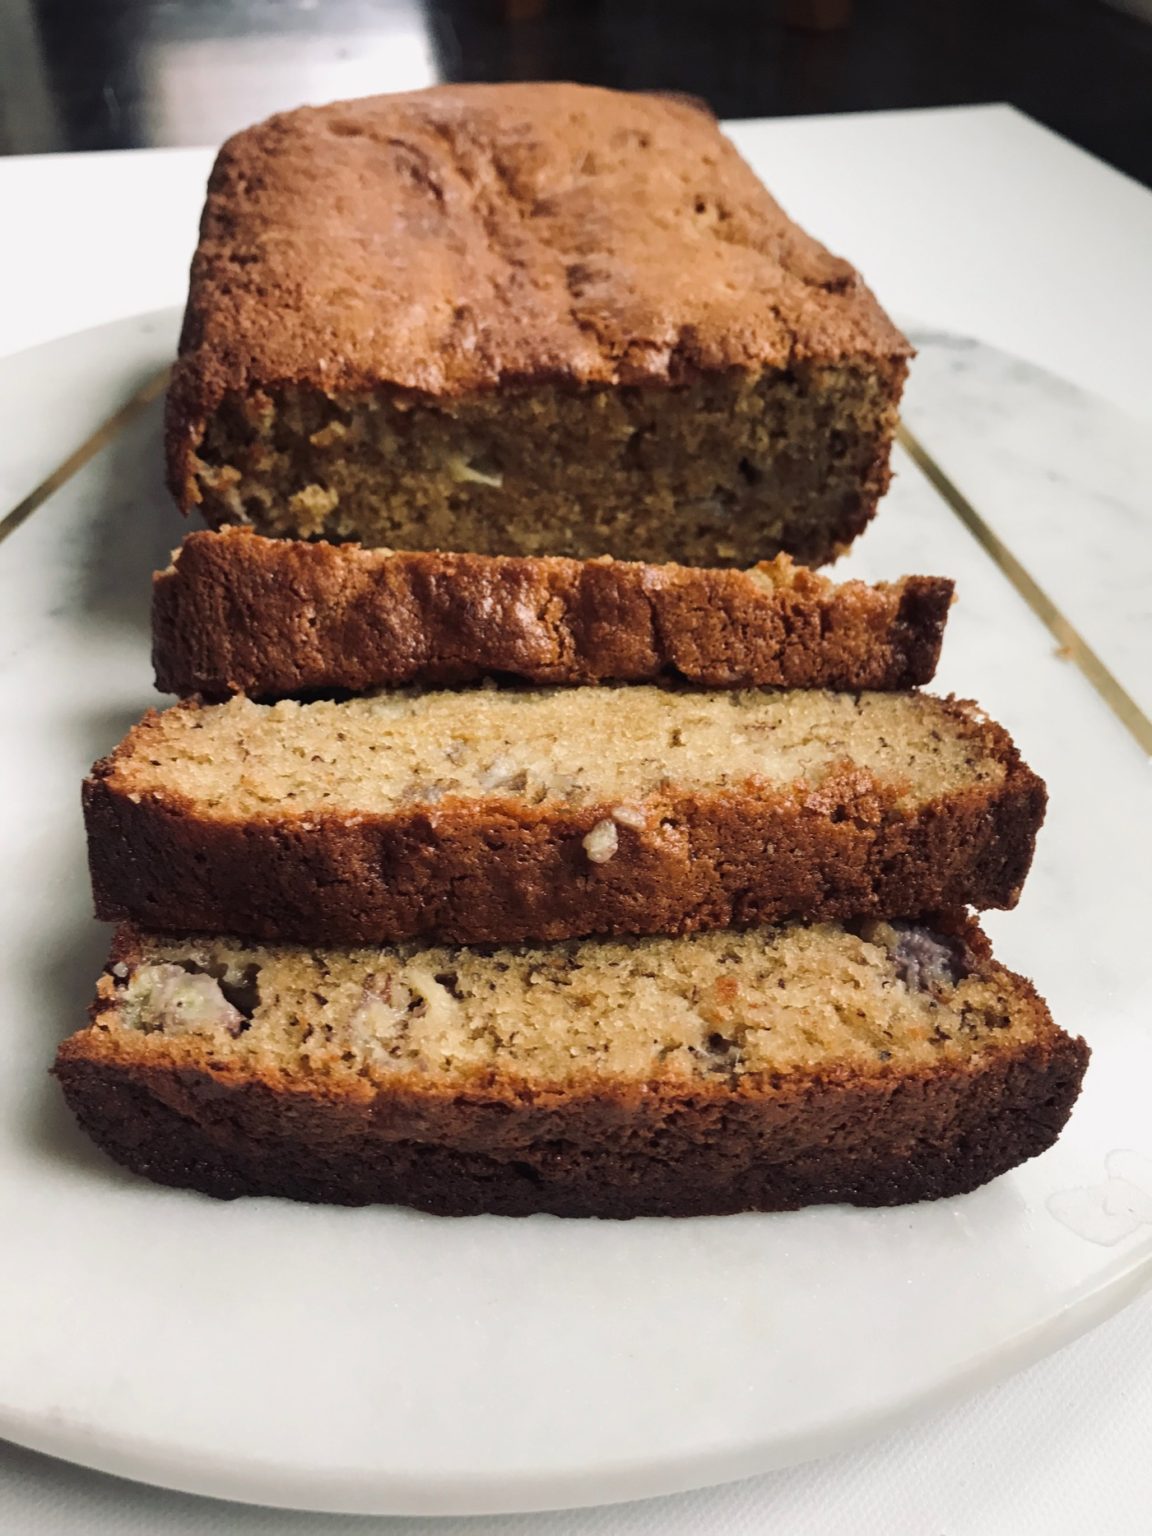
[[459, 239], [766, 1142], [238, 613], [500, 870]]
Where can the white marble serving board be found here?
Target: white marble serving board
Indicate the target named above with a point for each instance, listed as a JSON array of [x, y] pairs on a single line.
[[385, 1361], [1064, 478]]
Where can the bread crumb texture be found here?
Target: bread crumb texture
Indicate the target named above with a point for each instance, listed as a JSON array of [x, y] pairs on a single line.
[[710, 1008], [613, 746]]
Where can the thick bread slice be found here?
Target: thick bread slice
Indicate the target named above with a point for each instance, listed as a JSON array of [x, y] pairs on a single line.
[[721, 1072], [502, 815], [237, 613]]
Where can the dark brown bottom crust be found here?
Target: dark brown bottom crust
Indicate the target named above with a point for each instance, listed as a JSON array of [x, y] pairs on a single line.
[[273, 617], [873, 1143]]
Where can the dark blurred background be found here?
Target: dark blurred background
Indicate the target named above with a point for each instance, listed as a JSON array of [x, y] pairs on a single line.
[[117, 74]]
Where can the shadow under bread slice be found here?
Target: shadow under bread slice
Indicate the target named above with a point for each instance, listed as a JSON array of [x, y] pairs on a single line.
[[505, 815], [237, 613], [720, 1072]]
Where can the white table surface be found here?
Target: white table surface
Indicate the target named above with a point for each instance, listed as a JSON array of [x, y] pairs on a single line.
[[972, 220]]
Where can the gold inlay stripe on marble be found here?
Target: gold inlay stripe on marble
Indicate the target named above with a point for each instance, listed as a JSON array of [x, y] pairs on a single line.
[[1071, 641], [87, 451]]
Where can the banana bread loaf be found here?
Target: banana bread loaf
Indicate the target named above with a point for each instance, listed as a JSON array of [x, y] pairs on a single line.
[[525, 319], [237, 613], [500, 815], [721, 1072]]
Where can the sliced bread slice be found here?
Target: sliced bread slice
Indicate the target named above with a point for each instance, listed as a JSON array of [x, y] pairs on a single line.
[[237, 613], [721, 1072], [501, 816]]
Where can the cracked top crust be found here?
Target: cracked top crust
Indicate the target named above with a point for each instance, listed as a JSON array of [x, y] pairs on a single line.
[[463, 238]]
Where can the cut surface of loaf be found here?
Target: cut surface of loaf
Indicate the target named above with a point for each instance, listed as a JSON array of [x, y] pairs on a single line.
[[497, 815], [720, 1072], [237, 613], [525, 319]]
